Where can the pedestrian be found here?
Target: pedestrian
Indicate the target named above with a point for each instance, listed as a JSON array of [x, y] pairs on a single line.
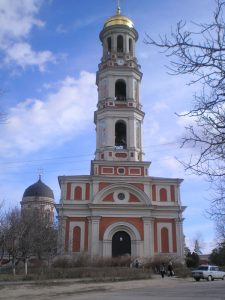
[[170, 269], [162, 270], [136, 264]]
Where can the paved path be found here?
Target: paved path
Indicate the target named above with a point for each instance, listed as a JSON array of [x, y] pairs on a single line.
[[154, 289]]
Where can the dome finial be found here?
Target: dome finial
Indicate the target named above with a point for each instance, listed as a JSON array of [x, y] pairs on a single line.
[[118, 7], [40, 173]]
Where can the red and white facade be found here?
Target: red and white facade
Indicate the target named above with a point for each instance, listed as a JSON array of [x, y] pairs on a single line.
[[119, 209]]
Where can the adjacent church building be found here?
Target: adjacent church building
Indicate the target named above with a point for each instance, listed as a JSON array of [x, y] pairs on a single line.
[[119, 209]]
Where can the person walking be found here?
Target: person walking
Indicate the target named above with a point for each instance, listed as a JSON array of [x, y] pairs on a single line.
[[170, 269], [162, 270]]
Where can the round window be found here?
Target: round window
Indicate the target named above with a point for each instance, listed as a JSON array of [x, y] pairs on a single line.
[[121, 171], [121, 196]]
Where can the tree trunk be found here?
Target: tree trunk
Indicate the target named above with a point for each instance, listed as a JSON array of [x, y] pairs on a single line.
[[25, 267], [14, 267]]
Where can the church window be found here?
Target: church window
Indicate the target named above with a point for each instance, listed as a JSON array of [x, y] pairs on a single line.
[[131, 46], [120, 90], [47, 215], [76, 239], [109, 44], [164, 240], [121, 171], [78, 193], [120, 135], [68, 191], [120, 44], [121, 196], [163, 195]]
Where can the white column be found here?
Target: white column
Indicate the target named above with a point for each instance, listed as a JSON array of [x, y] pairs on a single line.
[[110, 132], [114, 43], [94, 235], [180, 238], [132, 132], [61, 235], [63, 190], [89, 235], [148, 236], [107, 248]]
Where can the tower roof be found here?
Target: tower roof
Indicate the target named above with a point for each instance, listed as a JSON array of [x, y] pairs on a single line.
[[119, 20], [38, 189]]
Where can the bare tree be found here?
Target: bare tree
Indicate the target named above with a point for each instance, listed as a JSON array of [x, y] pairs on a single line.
[[27, 234], [39, 237], [42, 236], [201, 54], [217, 208], [2, 234], [13, 229]]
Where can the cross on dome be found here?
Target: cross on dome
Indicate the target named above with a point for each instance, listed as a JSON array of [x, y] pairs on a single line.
[[118, 7]]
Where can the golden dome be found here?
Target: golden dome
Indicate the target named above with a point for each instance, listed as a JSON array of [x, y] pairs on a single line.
[[119, 20]]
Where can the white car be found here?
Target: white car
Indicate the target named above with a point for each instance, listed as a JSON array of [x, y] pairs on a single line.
[[208, 272]]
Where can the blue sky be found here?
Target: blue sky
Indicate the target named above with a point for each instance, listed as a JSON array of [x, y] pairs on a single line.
[[49, 53]]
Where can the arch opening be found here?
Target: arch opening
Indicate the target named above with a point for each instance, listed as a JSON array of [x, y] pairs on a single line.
[[76, 239], [109, 44], [131, 46], [120, 90], [121, 135], [164, 240], [121, 244], [78, 193], [119, 44], [163, 195]]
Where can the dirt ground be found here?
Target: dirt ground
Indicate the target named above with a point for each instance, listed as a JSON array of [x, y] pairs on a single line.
[[68, 289]]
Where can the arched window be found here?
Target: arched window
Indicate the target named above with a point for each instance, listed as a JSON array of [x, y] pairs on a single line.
[[76, 239], [130, 46], [78, 193], [120, 43], [47, 214], [120, 90], [120, 135], [109, 44], [163, 195], [164, 240]]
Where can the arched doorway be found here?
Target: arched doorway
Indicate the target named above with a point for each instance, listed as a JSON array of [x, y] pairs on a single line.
[[121, 244]]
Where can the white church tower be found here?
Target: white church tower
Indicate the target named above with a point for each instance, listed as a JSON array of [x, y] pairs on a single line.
[[119, 209]]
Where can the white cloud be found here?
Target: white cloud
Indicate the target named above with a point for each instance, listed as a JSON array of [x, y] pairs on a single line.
[[17, 19], [23, 55], [62, 114]]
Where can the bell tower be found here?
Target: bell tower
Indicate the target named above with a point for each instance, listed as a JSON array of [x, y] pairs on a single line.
[[118, 209], [118, 117]]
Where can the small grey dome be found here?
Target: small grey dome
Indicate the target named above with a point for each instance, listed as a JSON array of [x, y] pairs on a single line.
[[38, 189]]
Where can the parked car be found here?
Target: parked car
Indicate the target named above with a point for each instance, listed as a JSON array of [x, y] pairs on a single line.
[[208, 272]]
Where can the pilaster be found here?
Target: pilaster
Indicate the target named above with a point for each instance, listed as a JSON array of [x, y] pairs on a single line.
[[148, 236], [94, 235], [61, 235], [180, 238]]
